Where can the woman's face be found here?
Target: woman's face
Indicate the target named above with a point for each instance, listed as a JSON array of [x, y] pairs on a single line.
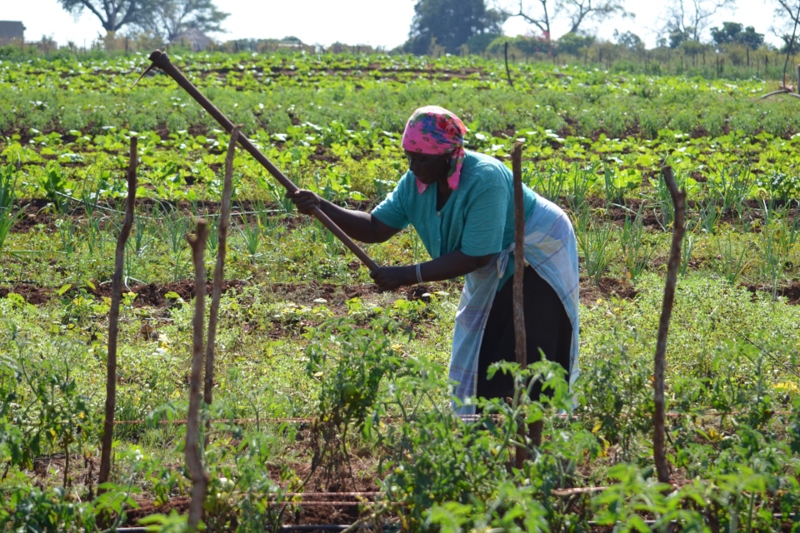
[[429, 168]]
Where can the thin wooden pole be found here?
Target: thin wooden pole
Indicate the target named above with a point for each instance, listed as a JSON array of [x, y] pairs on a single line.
[[519, 273], [678, 229], [113, 318], [192, 447], [508, 72], [224, 219]]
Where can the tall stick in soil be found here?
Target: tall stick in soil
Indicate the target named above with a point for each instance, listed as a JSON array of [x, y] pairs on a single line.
[[192, 448], [659, 415], [113, 318], [224, 220], [519, 272], [508, 71]]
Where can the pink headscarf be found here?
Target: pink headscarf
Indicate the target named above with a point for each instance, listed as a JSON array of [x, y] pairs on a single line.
[[436, 131]]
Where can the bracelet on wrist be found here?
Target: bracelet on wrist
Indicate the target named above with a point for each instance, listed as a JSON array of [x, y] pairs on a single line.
[[419, 273]]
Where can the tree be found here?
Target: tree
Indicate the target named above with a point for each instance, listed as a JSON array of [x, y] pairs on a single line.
[[114, 14], [173, 17], [542, 13], [629, 40], [735, 33], [450, 24], [688, 19], [572, 43], [788, 13]]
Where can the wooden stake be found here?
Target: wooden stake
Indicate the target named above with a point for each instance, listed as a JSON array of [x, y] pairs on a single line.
[[224, 219], [519, 273], [113, 318], [192, 447], [508, 72], [678, 229]]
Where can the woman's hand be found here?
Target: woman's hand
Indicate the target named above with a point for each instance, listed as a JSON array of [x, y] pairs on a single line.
[[390, 278], [304, 200]]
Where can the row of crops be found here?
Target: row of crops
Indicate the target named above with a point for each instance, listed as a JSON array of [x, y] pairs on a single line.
[[330, 398]]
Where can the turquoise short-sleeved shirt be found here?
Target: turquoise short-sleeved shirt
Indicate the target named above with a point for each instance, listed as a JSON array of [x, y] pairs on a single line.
[[477, 219]]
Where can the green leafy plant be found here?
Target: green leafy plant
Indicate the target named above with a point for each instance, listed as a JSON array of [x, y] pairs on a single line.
[[595, 244], [7, 198]]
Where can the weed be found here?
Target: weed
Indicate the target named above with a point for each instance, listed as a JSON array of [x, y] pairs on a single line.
[[550, 183], [595, 244], [637, 251], [731, 187], [732, 258], [54, 184], [67, 232], [7, 198]]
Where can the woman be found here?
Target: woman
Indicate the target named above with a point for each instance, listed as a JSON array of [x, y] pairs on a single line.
[[462, 205]]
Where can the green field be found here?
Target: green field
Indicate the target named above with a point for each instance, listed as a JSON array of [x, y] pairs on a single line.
[[325, 386]]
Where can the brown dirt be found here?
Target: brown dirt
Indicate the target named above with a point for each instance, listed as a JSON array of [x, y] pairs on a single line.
[[35, 214], [33, 294], [791, 293], [323, 153], [155, 295], [150, 294], [322, 481], [606, 288]]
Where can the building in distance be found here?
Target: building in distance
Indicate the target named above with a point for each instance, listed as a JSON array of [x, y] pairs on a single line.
[[193, 39], [11, 32]]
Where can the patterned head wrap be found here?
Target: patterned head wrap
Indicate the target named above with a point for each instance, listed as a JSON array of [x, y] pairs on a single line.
[[434, 130]]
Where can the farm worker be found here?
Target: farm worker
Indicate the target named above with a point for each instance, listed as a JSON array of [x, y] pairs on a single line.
[[461, 204]]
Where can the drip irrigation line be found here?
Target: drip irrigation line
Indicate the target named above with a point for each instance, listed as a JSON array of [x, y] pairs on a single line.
[[289, 420], [321, 527], [309, 420], [366, 494], [464, 418], [322, 503], [284, 528], [787, 367], [342, 527]]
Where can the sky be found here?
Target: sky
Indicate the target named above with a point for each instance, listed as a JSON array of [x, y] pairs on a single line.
[[373, 22]]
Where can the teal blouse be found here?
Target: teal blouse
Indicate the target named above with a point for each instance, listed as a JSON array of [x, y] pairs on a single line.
[[477, 219]]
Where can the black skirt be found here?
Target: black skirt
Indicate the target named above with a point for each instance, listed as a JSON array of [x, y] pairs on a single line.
[[547, 326]]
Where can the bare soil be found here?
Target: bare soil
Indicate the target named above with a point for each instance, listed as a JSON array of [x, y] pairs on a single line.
[[150, 294], [606, 288], [154, 294]]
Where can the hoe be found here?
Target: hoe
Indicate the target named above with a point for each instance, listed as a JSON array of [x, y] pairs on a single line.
[[161, 60]]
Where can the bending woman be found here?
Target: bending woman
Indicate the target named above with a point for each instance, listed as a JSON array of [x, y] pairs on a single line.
[[461, 204]]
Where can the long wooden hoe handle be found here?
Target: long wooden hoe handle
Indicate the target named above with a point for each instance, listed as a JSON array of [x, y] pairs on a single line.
[[161, 60]]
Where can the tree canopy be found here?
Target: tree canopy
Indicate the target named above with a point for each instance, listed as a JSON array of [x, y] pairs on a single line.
[[735, 33], [114, 14], [173, 17], [165, 18], [542, 13], [450, 24], [688, 19]]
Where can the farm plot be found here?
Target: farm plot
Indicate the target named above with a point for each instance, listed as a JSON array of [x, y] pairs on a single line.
[[330, 399]]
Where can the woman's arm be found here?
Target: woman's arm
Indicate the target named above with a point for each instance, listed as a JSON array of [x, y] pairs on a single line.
[[448, 266], [357, 224]]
